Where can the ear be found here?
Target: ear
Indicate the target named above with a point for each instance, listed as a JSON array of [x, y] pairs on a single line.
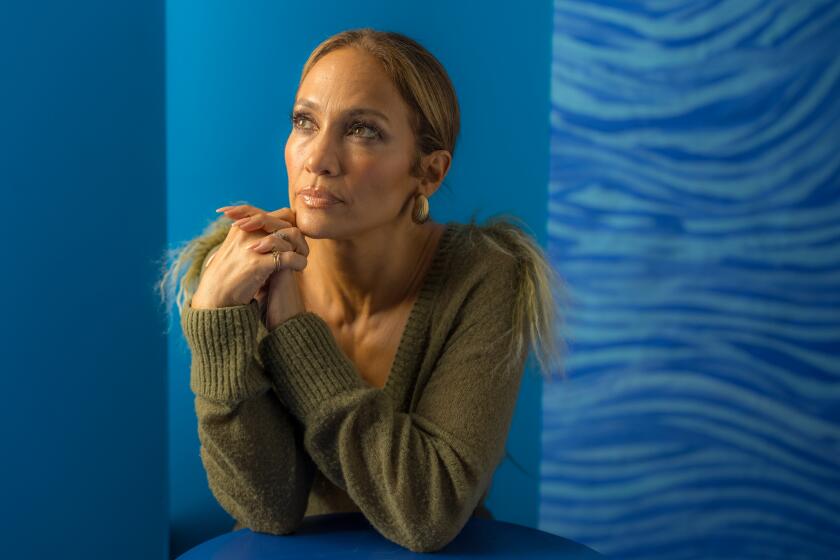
[[435, 166]]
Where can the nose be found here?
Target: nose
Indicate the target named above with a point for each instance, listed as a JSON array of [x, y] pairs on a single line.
[[321, 157]]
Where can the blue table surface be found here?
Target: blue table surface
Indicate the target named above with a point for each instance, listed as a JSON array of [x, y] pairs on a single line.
[[350, 535]]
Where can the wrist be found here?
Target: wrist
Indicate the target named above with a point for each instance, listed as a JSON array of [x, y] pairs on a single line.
[[284, 299], [206, 301], [200, 302]]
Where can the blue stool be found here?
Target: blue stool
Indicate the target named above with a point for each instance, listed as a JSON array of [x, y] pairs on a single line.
[[350, 535]]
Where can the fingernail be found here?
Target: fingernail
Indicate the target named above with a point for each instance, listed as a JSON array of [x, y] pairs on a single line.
[[222, 209]]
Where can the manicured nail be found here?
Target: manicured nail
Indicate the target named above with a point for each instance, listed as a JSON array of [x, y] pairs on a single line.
[[222, 209]]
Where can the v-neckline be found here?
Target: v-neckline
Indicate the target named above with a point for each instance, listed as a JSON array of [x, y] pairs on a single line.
[[419, 311]]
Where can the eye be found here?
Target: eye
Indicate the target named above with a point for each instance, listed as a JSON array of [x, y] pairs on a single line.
[[299, 119], [371, 127], [296, 118]]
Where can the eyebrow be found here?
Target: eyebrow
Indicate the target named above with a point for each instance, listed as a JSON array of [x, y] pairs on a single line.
[[350, 112]]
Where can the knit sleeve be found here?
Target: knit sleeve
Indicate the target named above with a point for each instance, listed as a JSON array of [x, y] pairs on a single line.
[[418, 476], [250, 446]]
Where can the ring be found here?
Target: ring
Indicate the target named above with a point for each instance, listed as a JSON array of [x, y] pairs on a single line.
[[276, 253]]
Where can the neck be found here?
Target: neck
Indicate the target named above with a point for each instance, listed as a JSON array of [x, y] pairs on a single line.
[[370, 273]]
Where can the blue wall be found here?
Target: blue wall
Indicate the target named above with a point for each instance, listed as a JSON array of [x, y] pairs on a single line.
[[231, 79], [695, 213], [82, 162]]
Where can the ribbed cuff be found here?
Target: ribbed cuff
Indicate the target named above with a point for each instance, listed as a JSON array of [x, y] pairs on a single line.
[[223, 342], [306, 364]]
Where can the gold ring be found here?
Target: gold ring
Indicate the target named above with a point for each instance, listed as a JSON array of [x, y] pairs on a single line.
[[276, 253]]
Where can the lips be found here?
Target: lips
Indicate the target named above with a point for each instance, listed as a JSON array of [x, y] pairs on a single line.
[[319, 193]]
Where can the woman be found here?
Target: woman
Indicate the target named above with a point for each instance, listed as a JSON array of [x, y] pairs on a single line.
[[348, 353]]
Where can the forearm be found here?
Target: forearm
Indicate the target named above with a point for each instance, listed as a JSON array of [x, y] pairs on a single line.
[[251, 447], [255, 462]]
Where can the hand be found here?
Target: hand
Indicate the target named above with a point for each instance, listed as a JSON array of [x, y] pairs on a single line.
[[240, 273], [281, 290]]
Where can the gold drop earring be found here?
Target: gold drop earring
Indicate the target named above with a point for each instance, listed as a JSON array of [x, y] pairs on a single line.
[[421, 209]]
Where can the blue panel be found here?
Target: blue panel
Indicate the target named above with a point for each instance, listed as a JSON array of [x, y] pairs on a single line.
[[695, 213], [82, 169]]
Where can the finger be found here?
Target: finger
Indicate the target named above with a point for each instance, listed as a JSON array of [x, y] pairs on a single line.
[[243, 210], [285, 214], [269, 243], [239, 210], [262, 220], [288, 259], [293, 236], [276, 218], [223, 208], [295, 242]]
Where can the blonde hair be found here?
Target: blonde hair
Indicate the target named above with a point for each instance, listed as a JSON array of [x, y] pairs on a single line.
[[421, 80], [541, 298], [435, 121], [186, 261]]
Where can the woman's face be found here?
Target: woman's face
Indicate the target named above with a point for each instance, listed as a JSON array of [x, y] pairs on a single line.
[[362, 158]]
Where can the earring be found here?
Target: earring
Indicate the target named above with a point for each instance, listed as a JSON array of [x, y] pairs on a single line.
[[421, 209]]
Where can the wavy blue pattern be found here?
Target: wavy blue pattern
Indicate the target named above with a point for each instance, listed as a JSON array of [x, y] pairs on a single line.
[[695, 215]]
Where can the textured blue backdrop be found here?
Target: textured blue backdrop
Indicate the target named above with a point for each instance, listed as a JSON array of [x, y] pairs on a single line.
[[694, 212]]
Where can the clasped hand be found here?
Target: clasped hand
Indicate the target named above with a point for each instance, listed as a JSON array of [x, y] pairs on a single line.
[[243, 267]]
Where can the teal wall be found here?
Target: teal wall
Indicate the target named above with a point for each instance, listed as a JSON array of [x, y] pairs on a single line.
[[232, 71]]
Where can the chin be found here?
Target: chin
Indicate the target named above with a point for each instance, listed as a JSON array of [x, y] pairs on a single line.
[[314, 227]]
